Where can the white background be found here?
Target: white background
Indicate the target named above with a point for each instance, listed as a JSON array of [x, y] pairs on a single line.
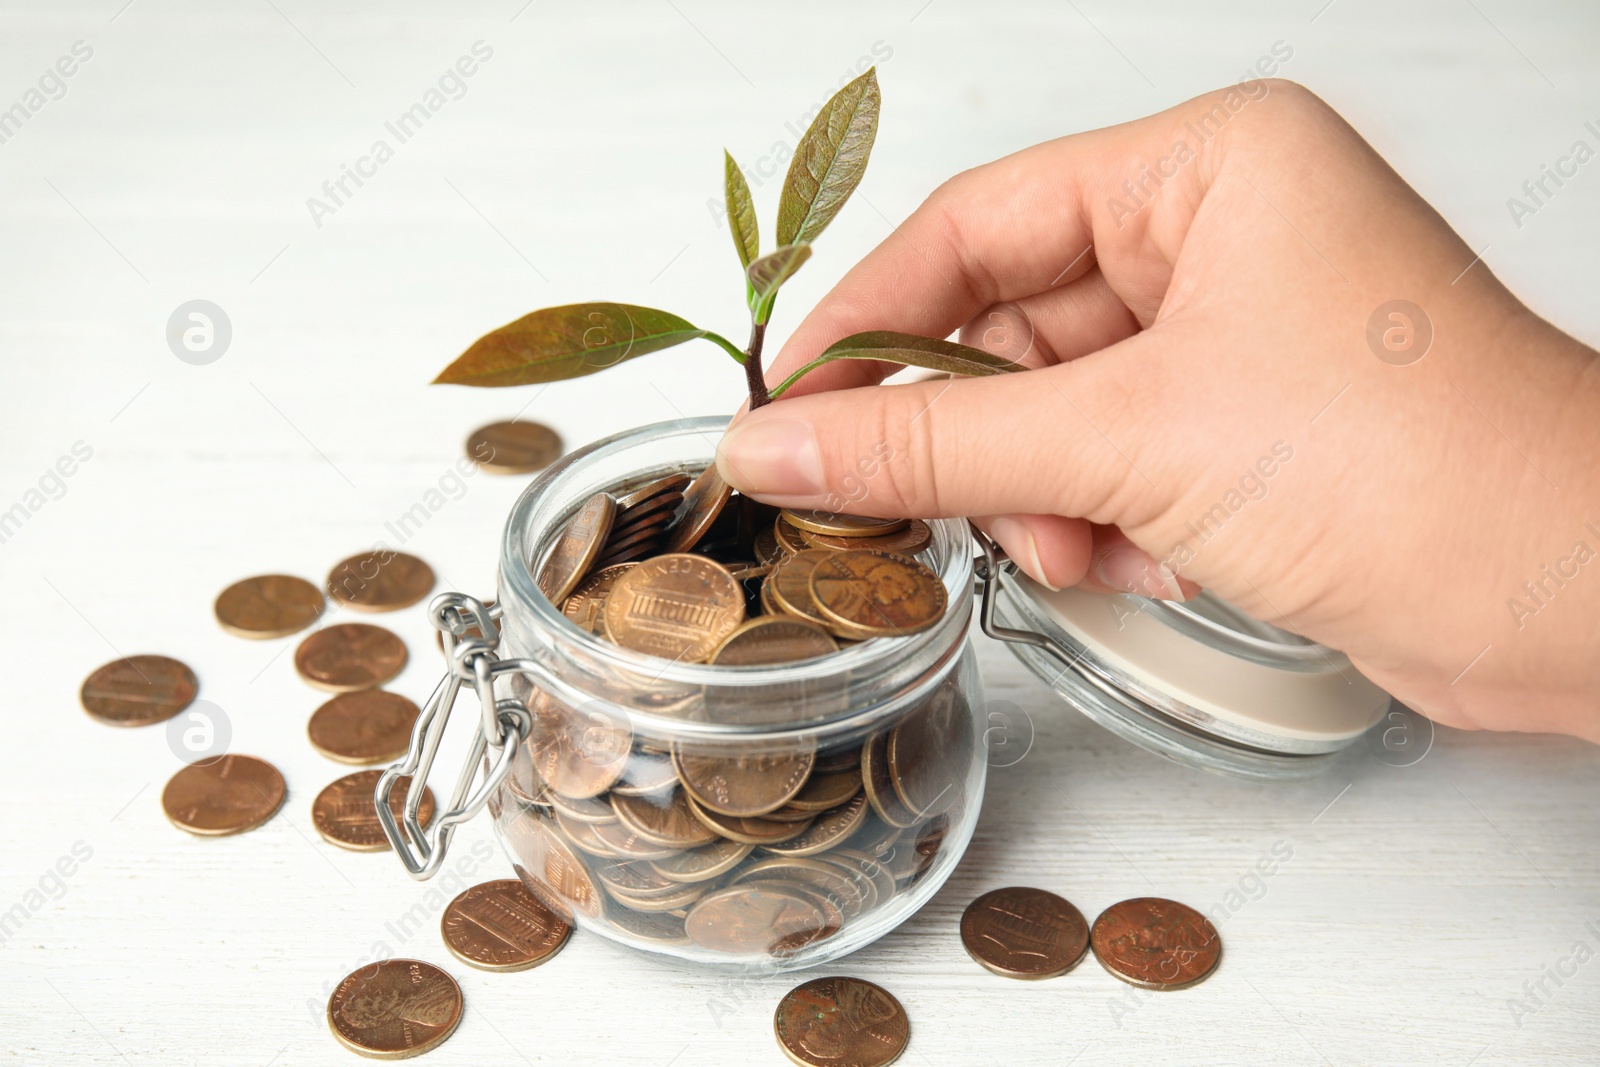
[[578, 166]]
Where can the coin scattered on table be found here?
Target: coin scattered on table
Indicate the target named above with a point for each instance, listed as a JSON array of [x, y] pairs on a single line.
[[223, 796], [380, 580], [1156, 943], [514, 447], [345, 813], [366, 726], [269, 605], [349, 656], [138, 690], [1021, 932], [500, 926], [395, 1009], [831, 1022]]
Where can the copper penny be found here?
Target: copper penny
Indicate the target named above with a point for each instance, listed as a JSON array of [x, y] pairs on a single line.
[[765, 546], [578, 754], [380, 580], [395, 1009], [270, 605], [349, 656], [500, 926], [663, 820], [840, 759], [751, 917], [1020, 932], [676, 606], [823, 791], [880, 788], [833, 1022], [743, 785], [586, 604], [752, 831], [835, 524], [550, 869], [1156, 943], [345, 813], [624, 542], [620, 840], [657, 510], [704, 863], [876, 594], [649, 927], [825, 878], [138, 690], [773, 639], [225, 796], [789, 538], [828, 829], [638, 879], [672, 483], [790, 583], [514, 447], [369, 726], [929, 752], [703, 502], [577, 548], [915, 537]]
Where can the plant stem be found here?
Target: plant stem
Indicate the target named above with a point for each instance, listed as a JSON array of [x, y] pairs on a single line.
[[754, 379]]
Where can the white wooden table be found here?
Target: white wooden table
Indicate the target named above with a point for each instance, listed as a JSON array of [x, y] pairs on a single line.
[[1419, 902]]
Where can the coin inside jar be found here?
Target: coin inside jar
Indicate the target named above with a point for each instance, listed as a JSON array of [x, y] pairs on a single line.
[[830, 1021], [790, 585], [367, 726], [676, 606], [1020, 932], [915, 537], [223, 796], [928, 753], [394, 1009], [380, 580], [586, 604], [578, 754], [773, 639], [500, 926], [345, 813], [267, 606], [577, 548], [1156, 943], [876, 594], [743, 784], [835, 524], [514, 447], [551, 869], [751, 917], [138, 690], [703, 502], [349, 656]]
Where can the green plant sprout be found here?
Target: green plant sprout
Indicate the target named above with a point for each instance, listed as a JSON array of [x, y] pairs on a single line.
[[553, 344]]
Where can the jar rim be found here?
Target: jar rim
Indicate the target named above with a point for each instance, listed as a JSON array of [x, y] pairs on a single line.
[[563, 481]]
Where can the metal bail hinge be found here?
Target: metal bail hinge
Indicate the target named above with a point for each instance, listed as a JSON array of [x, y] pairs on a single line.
[[503, 725], [990, 570]]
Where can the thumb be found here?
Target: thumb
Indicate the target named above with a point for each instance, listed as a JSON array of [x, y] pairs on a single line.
[[1034, 442]]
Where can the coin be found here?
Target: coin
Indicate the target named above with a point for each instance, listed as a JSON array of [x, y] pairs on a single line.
[[788, 537], [680, 897], [1155, 943], [772, 639], [270, 605], [500, 926], [929, 752], [876, 594], [514, 447], [672, 483], [349, 656], [790, 583], [751, 831], [578, 754], [703, 863], [551, 870], [743, 785], [621, 841], [751, 917], [577, 547], [649, 927], [224, 796], [703, 501], [586, 605], [835, 524], [826, 878], [369, 726], [675, 606], [765, 546], [138, 690], [652, 511], [837, 1021], [663, 820], [880, 789], [395, 1009], [832, 921], [830, 828], [1020, 932], [345, 813], [915, 537], [840, 759], [638, 879], [644, 775], [827, 790], [380, 580], [591, 810]]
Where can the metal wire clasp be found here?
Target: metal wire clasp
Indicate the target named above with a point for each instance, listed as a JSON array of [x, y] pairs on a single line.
[[989, 569], [504, 723]]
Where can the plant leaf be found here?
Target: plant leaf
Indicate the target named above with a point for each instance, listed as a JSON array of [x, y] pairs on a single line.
[[911, 350], [553, 344], [767, 275], [741, 211], [829, 161]]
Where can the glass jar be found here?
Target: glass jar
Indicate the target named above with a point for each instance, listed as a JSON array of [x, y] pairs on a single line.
[[777, 817]]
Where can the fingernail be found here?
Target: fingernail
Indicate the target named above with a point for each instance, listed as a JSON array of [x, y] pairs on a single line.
[[1132, 570], [1015, 537], [771, 457]]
